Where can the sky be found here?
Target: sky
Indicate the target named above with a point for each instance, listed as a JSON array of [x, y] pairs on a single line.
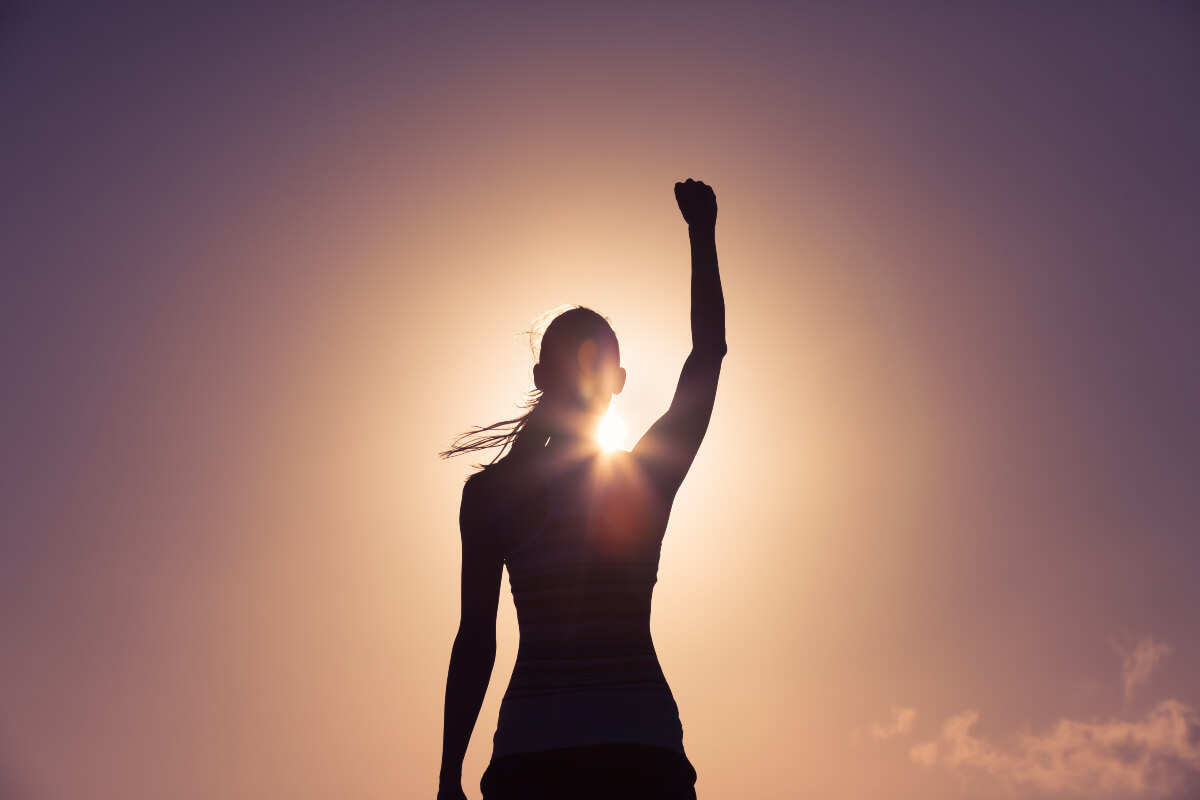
[[258, 266]]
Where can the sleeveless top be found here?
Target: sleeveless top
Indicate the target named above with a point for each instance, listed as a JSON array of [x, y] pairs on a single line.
[[586, 670]]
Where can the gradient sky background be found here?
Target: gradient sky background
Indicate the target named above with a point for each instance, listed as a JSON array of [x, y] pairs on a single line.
[[260, 266]]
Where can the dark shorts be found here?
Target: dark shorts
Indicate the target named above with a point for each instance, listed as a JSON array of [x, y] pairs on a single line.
[[607, 771]]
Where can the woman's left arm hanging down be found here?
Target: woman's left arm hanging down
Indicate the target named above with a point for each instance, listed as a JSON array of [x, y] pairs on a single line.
[[474, 651]]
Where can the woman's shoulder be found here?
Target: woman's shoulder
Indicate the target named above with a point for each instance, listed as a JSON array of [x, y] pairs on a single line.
[[500, 478], [504, 494]]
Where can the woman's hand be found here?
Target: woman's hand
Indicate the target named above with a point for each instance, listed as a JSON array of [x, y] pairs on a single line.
[[451, 793], [698, 203]]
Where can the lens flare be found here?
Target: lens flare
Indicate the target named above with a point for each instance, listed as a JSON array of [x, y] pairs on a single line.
[[611, 433]]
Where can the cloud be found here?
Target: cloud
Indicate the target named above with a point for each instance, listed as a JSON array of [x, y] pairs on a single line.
[[900, 724], [1138, 661], [1158, 756], [924, 754]]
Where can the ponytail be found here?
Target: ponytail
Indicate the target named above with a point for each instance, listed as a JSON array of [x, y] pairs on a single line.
[[523, 435], [531, 435]]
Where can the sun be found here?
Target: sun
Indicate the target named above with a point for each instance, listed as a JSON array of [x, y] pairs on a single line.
[[611, 433]]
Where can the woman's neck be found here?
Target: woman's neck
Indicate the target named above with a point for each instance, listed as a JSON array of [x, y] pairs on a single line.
[[570, 443]]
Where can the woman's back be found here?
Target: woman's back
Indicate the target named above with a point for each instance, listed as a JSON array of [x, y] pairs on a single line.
[[581, 538]]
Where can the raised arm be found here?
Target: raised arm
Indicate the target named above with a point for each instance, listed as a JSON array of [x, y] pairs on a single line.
[[474, 651], [667, 450]]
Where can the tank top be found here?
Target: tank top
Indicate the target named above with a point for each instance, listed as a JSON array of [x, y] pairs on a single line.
[[586, 669]]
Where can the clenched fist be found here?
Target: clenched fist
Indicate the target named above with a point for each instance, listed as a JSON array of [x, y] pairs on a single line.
[[697, 202]]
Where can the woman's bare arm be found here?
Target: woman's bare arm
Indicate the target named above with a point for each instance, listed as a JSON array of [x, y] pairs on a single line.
[[474, 651], [667, 450]]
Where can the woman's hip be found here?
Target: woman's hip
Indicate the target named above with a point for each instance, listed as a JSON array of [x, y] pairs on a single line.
[[591, 772]]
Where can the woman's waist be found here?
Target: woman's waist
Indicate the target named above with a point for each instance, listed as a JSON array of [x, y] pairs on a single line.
[[583, 640], [543, 675]]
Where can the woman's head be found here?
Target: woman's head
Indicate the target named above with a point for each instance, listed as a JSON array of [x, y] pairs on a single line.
[[579, 363], [578, 370]]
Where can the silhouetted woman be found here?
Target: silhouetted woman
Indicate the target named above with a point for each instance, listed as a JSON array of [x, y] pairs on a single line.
[[587, 712]]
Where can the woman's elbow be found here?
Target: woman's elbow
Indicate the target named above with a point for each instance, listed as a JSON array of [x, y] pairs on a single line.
[[475, 638]]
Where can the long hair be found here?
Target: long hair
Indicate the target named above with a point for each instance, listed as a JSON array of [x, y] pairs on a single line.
[[559, 330]]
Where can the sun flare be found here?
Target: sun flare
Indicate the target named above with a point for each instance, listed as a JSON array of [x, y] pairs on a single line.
[[611, 432]]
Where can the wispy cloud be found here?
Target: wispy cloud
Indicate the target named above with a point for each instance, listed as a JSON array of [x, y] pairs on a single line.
[[1158, 756], [924, 754], [1139, 660], [901, 723]]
